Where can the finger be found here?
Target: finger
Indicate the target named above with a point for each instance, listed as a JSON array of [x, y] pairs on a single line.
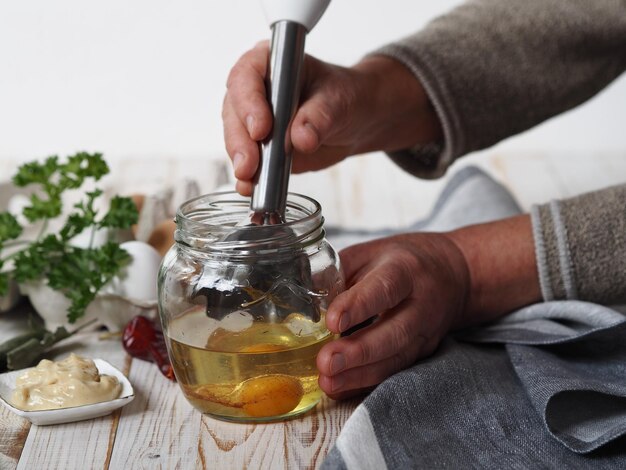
[[246, 91], [365, 376], [314, 121], [326, 106], [396, 332], [354, 258], [381, 288], [243, 151], [244, 188], [358, 379]]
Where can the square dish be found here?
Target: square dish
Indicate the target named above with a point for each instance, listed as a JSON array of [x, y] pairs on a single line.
[[74, 413]]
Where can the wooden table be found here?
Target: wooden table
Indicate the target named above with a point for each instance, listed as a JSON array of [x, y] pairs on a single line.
[[159, 429]]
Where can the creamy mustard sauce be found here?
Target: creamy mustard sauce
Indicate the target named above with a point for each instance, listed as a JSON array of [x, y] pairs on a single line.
[[71, 382]]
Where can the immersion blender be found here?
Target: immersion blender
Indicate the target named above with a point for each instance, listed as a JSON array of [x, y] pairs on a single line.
[[290, 21]]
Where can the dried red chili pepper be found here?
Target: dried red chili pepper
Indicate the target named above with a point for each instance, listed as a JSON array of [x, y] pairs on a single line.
[[144, 340]]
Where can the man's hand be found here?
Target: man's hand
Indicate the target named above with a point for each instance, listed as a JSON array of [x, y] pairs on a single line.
[[417, 287], [376, 105]]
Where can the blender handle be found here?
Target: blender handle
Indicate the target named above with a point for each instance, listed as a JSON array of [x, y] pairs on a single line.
[[283, 91], [290, 21]]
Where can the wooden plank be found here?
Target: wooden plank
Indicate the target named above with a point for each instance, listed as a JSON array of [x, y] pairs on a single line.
[[299, 443], [371, 192], [13, 433], [582, 173], [539, 177], [310, 438], [13, 429], [67, 446], [614, 165], [159, 429], [531, 177], [75, 445]]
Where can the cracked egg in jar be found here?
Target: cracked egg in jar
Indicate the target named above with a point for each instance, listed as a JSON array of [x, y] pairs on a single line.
[[245, 320]]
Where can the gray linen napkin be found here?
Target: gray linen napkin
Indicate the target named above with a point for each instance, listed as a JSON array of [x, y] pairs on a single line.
[[545, 387]]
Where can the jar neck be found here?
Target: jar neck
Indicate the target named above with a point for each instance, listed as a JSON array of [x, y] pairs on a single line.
[[212, 225]]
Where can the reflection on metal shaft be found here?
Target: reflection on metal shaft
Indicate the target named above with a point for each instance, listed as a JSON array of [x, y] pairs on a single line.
[[283, 90]]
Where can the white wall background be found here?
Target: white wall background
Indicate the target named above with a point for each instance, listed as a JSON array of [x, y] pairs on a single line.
[[145, 78]]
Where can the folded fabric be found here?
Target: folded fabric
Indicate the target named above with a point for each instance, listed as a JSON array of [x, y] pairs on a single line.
[[545, 387]]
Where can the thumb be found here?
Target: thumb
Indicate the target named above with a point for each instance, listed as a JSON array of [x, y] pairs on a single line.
[[317, 117]]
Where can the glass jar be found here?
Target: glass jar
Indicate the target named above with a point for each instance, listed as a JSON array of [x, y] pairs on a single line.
[[243, 307]]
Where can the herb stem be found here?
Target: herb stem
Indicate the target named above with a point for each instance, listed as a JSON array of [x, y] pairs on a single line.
[[44, 227], [92, 236]]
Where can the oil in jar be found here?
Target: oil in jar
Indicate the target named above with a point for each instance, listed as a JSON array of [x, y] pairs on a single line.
[[245, 370]]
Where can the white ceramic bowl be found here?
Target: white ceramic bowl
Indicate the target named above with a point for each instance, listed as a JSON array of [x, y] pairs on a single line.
[[74, 413]]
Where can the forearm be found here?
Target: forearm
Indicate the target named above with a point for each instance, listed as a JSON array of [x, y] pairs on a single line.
[[494, 68], [574, 249], [400, 112], [502, 266]]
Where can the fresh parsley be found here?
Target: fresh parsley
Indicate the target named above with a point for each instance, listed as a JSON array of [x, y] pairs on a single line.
[[79, 273]]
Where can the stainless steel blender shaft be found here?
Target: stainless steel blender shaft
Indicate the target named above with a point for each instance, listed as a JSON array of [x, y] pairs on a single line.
[[283, 90]]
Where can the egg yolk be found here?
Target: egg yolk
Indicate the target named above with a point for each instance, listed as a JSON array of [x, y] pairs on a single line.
[[271, 395]]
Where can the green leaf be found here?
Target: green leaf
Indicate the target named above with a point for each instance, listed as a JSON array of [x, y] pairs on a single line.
[[43, 209], [84, 217], [55, 178], [87, 165], [29, 265], [80, 302], [76, 272], [34, 261], [122, 213], [9, 227], [81, 273], [81, 166], [74, 225], [36, 172], [111, 258]]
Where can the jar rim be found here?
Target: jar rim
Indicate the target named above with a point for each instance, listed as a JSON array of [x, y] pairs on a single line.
[[207, 222]]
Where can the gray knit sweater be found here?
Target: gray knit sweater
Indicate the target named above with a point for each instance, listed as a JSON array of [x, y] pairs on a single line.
[[493, 68]]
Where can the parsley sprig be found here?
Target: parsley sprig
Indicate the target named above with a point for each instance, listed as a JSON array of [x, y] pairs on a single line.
[[77, 272]]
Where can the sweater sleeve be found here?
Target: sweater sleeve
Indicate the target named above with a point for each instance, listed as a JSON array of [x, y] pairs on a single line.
[[580, 244], [494, 68]]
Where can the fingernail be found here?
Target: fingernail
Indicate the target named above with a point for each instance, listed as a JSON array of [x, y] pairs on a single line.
[[337, 363], [250, 123], [337, 383], [344, 322], [237, 161], [313, 129]]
